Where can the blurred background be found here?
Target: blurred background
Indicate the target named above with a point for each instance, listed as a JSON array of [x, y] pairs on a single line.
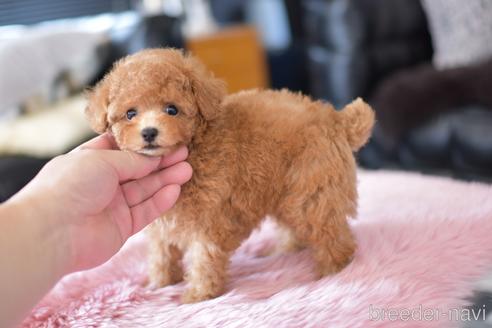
[[425, 66]]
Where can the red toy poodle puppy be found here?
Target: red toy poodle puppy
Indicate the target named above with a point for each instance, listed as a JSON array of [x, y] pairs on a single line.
[[254, 153]]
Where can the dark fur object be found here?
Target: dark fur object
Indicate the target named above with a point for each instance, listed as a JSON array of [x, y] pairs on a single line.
[[412, 96]]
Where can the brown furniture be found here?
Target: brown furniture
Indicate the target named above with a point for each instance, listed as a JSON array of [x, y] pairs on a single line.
[[234, 54]]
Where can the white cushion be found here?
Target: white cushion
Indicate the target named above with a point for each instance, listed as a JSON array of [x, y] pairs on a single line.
[[461, 31]]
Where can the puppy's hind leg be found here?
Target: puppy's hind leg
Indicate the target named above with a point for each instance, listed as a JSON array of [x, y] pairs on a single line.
[[333, 247], [323, 229], [319, 196]]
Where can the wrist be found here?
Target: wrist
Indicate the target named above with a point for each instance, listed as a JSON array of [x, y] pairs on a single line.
[[33, 256], [38, 224]]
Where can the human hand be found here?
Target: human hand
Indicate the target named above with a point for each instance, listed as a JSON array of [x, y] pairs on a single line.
[[96, 197]]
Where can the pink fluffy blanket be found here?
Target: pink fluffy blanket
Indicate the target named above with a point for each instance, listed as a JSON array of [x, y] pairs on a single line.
[[423, 242]]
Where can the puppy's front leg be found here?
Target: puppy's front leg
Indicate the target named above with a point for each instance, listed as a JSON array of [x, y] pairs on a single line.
[[164, 266], [208, 272], [164, 258]]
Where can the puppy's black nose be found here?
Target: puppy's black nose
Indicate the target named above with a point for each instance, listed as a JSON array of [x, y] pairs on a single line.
[[149, 134]]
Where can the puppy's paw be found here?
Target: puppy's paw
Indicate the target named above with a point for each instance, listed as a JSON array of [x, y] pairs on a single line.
[[194, 295], [164, 278], [282, 248]]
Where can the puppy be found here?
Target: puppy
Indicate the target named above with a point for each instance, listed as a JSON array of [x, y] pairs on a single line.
[[254, 153]]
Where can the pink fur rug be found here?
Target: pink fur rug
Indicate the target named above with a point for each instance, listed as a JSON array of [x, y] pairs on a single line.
[[423, 242]]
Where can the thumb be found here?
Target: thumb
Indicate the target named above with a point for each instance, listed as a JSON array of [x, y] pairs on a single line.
[[128, 165]]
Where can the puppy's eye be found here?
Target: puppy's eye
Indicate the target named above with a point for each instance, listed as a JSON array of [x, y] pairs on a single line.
[[131, 113], [171, 110]]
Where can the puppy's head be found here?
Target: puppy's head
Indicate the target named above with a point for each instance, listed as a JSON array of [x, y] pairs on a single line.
[[153, 101]]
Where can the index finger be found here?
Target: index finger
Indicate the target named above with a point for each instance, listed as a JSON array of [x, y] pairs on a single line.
[[103, 141], [177, 156]]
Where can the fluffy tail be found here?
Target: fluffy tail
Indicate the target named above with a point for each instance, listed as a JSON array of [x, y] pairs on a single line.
[[358, 119]]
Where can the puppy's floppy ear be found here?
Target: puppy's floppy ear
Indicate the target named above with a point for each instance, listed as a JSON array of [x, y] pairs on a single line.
[[207, 89], [97, 106]]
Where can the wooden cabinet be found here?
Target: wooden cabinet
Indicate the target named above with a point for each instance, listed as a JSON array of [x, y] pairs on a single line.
[[234, 54]]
